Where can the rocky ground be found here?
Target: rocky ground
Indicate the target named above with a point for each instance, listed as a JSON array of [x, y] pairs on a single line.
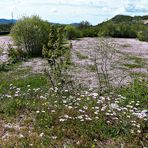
[[4, 41], [128, 57], [131, 56]]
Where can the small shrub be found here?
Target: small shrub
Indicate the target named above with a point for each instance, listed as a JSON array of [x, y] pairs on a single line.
[[143, 35], [1, 51], [58, 57], [16, 54], [72, 32], [30, 34], [4, 66]]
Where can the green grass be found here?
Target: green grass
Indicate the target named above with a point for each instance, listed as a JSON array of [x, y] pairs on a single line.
[[138, 62], [92, 68], [136, 91], [47, 119], [126, 45], [1, 50], [22, 78], [139, 74], [81, 56], [130, 66]]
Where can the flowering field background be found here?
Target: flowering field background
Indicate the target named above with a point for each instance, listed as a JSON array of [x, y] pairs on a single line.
[[33, 114]]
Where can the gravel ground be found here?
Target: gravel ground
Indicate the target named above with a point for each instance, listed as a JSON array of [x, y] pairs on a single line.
[[4, 41], [133, 46], [37, 65], [83, 51]]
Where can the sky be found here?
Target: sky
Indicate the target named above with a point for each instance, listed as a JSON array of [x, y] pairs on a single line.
[[72, 11]]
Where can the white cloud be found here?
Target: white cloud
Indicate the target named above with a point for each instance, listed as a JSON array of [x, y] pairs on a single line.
[[54, 10], [68, 11]]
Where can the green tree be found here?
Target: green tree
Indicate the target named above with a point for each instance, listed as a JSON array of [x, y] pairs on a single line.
[[30, 34], [58, 56], [143, 35], [54, 49], [49, 49], [84, 24], [72, 32]]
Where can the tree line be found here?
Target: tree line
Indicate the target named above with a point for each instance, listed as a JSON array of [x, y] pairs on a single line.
[[119, 26]]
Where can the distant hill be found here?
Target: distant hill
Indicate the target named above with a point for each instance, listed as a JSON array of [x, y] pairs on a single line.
[[7, 21], [124, 26], [75, 24], [126, 18]]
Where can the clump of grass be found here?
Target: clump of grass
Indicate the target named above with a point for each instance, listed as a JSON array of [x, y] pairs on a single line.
[[138, 62], [1, 51], [126, 45], [92, 68], [134, 65], [81, 56], [136, 90], [139, 74], [4, 66]]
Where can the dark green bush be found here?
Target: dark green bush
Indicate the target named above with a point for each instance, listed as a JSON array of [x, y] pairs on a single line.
[[4, 66], [143, 35], [122, 29], [89, 32], [5, 28], [55, 47], [72, 32], [16, 54], [30, 34]]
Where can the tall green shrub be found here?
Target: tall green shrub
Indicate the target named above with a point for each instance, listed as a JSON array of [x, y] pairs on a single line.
[[58, 56], [49, 49], [72, 32], [54, 49], [143, 35], [30, 34]]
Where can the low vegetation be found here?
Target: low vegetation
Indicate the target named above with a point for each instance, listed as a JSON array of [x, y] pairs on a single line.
[[33, 114], [143, 35], [5, 29], [53, 110], [119, 26], [30, 34], [81, 56]]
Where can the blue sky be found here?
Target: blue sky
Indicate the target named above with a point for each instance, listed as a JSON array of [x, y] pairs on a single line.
[[69, 11]]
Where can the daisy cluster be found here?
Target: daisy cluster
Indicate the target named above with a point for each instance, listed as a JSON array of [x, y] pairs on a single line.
[[87, 106], [114, 110]]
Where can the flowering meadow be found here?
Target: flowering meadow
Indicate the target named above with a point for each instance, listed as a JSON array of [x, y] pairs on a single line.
[[61, 93], [32, 116]]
